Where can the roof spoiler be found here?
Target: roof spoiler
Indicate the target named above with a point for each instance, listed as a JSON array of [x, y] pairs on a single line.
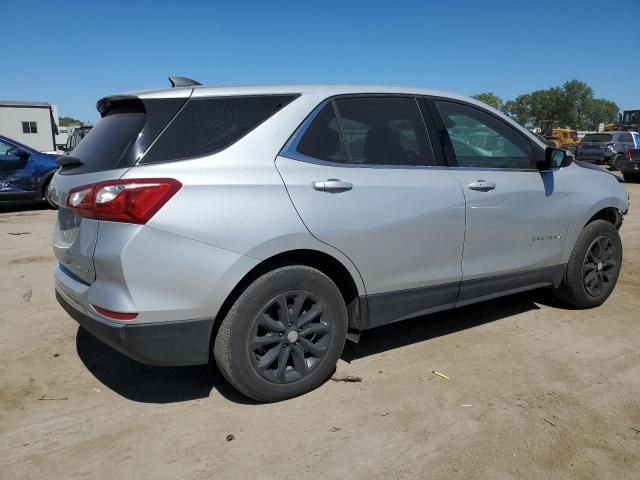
[[182, 82]]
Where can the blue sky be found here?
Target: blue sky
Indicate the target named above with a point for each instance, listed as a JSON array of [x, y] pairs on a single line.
[[72, 54]]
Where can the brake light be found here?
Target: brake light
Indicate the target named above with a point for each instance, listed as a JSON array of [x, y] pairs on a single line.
[[114, 315], [129, 201], [627, 154]]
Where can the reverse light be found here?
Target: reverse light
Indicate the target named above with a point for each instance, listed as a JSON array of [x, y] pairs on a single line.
[[129, 201], [115, 315]]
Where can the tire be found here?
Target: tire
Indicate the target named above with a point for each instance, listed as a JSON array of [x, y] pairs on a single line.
[[614, 164], [45, 195], [597, 253], [292, 362]]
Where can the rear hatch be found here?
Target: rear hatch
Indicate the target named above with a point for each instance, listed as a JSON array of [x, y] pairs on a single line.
[[128, 127], [594, 143]]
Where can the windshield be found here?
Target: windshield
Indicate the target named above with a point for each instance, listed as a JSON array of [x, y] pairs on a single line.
[[597, 137]]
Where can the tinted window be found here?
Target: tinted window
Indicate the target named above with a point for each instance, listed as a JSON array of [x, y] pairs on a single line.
[[626, 137], [597, 137], [209, 125], [482, 140], [384, 131], [322, 139], [118, 140]]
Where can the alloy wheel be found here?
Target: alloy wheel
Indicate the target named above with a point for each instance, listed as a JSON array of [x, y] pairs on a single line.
[[290, 336], [599, 266]]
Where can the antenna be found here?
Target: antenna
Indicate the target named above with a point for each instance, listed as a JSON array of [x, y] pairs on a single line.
[[182, 82]]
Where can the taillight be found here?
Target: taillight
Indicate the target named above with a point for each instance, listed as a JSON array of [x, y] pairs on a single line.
[[129, 201], [627, 154]]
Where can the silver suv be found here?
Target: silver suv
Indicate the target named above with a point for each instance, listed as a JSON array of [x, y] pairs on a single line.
[[263, 226]]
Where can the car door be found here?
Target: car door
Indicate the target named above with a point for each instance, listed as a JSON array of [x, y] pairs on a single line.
[[17, 174], [516, 215], [361, 174]]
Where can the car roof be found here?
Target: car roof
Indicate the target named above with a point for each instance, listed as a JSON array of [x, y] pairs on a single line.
[[327, 90]]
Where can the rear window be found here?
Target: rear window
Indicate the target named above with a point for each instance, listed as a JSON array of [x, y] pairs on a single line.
[[209, 125], [126, 130], [597, 137]]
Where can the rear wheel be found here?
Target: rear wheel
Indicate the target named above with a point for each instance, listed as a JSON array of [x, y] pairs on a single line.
[[283, 335], [593, 267], [614, 164]]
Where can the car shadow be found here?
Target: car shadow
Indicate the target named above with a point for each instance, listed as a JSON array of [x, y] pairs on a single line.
[[23, 206], [145, 384]]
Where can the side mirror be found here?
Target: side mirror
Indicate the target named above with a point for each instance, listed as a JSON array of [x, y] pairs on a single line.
[[22, 154], [555, 158]]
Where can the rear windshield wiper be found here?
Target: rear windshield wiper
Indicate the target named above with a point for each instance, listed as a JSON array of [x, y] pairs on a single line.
[[68, 161]]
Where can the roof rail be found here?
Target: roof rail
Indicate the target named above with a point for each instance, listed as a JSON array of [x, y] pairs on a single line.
[[182, 82]]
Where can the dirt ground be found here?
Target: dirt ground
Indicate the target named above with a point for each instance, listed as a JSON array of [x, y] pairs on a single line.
[[535, 391]]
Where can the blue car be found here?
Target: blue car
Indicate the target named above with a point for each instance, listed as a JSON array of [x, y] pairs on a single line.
[[24, 172]]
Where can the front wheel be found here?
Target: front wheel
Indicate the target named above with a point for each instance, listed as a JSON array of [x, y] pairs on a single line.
[[593, 267], [283, 335]]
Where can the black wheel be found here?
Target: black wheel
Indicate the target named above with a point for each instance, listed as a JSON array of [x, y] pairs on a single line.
[[614, 164], [283, 335], [47, 195], [593, 267]]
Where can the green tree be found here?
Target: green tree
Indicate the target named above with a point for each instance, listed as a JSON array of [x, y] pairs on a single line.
[[599, 110], [490, 99], [65, 121], [571, 106]]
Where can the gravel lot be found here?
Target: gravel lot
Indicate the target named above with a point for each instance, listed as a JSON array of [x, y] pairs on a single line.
[[535, 391]]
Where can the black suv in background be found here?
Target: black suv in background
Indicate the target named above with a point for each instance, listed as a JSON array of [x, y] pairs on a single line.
[[630, 165], [606, 147]]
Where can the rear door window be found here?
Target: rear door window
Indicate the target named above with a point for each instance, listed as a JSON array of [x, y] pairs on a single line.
[[322, 138], [208, 125], [384, 131]]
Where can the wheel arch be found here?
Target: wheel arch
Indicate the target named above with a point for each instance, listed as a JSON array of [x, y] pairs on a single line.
[[351, 290], [46, 178], [609, 214]]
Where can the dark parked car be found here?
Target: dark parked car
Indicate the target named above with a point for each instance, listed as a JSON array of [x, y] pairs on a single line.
[[606, 147], [25, 173], [630, 165], [77, 135]]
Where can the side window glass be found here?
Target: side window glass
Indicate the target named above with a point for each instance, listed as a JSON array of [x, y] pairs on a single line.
[[384, 131], [481, 140], [322, 138], [626, 137], [5, 148]]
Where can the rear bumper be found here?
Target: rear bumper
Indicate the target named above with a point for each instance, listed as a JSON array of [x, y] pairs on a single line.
[[179, 343], [630, 167]]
